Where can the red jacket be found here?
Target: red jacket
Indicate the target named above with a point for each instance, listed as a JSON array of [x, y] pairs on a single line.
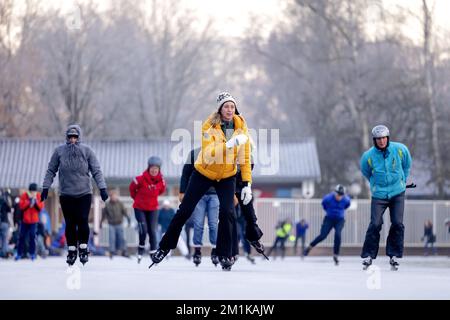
[[30, 212], [145, 189]]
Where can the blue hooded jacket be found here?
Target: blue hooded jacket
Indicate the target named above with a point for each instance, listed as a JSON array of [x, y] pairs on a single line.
[[387, 171]]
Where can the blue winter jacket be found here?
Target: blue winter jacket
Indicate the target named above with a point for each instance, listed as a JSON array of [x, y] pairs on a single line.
[[334, 208], [387, 170]]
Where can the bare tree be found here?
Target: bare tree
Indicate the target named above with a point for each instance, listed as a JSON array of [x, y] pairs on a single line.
[[76, 70], [428, 68], [16, 70], [325, 68], [174, 73]]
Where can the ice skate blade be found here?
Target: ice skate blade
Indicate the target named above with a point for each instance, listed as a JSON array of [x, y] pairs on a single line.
[[151, 265]]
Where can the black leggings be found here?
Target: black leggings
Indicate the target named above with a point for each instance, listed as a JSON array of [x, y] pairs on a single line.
[[76, 214], [197, 187], [147, 223]]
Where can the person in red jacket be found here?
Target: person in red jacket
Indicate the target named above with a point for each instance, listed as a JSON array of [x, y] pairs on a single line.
[[144, 190], [30, 203]]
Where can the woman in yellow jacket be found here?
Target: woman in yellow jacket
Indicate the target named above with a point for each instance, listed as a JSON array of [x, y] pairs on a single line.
[[224, 144]]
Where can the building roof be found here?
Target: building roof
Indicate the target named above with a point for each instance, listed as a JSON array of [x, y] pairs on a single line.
[[25, 160]]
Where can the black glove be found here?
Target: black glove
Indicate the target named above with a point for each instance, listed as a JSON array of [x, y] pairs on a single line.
[[44, 194], [104, 194]]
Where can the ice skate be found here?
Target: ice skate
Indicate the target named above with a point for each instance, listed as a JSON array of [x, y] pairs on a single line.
[[367, 262], [394, 263], [306, 251], [226, 263], [214, 257], [83, 253], [197, 257], [158, 256], [259, 247], [71, 256], [336, 260], [140, 253], [250, 258]]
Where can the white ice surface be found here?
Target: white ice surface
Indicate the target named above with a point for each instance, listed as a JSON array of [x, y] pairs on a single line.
[[178, 279]]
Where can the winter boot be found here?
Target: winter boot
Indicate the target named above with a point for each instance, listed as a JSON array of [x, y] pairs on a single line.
[[83, 253], [394, 263], [197, 258], [367, 262], [71, 255], [214, 257]]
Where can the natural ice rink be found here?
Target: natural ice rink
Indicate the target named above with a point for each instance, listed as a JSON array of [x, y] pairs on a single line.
[[178, 279]]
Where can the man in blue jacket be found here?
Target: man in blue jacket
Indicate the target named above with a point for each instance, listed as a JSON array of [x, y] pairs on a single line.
[[334, 204], [386, 166]]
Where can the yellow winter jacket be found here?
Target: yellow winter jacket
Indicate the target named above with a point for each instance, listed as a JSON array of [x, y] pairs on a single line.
[[215, 161]]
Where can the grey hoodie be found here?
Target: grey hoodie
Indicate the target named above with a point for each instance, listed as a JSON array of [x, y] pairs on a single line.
[[74, 162]]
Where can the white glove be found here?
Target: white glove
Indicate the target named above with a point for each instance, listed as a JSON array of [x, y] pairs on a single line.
[[246, 195], [237, 140]]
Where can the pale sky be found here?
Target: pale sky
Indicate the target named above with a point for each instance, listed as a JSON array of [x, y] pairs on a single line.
[[232, 17]]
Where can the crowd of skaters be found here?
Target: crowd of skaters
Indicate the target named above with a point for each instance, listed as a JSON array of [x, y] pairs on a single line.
[[208, 192]]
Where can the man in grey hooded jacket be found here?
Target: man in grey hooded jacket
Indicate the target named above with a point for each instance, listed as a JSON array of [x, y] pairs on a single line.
[[75, 163]]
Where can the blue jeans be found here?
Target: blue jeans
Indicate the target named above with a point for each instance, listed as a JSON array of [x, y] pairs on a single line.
[[27, 231], [4, 228], [208, 206], [116, 238]]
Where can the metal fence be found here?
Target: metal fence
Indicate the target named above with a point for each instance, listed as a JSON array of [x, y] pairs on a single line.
[[272, 210]]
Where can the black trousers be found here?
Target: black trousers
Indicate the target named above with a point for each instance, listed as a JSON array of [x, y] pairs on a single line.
[[76, 214], [197, 187], [278, 243], [252, 230], [328, 224], [395, 239], [147, 223]]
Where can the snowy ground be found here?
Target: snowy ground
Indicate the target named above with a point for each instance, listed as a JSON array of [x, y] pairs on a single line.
[[179, 279]]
